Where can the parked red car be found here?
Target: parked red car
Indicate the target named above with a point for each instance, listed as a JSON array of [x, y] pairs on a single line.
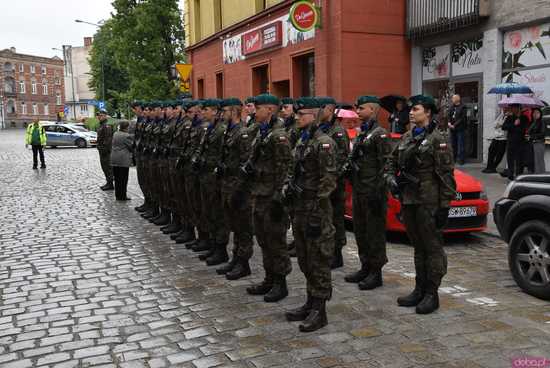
[[468, 212]]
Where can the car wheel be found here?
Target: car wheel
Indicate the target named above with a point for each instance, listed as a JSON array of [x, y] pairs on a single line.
[[529, 258], [81, 143]]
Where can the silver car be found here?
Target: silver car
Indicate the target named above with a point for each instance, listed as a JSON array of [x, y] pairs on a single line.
[[69, 135]]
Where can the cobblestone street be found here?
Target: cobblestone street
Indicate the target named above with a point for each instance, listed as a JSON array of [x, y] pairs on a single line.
[[85, 281]]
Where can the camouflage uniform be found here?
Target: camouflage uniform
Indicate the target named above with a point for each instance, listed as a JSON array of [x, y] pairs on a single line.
[[138, 153], [177, 177], [292, 131], [155, 162], [167, 166], [104, 146]]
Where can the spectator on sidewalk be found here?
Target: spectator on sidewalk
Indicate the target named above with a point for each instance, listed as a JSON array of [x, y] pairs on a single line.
[[121, 159], [36, 137], [457, 125], [399, 118], [104, 142], [536, 141], [497, 148], [515, 125]]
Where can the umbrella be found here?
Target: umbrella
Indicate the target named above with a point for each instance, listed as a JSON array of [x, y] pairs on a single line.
[[342, 113], [388, 102], [525, 101], [509, 88]]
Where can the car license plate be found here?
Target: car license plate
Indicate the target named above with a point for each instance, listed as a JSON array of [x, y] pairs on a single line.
[[462, 212]]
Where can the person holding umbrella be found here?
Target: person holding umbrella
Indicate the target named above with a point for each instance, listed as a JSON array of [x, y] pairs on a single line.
[[515, 125]]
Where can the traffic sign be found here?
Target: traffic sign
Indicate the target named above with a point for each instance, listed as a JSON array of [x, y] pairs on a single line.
[[101, 105]]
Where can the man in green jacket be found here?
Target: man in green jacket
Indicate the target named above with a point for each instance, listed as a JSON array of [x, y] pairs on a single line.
[[36, 137]]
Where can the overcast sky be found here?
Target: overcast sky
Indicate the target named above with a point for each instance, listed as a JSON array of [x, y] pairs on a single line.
[[35, 26]]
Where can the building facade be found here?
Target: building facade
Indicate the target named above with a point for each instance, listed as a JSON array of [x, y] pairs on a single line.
[[80, 98], [246, 47], [32, 86], [468, 46]]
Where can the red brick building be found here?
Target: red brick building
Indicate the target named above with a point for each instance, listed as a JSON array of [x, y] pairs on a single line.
[[31, 86], [360, 48]]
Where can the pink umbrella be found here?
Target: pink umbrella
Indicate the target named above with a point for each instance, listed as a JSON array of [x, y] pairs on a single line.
[[525, 101], [342, 113]]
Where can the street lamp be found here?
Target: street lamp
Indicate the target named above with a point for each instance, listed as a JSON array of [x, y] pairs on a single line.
[[98, 25], [64, 51]]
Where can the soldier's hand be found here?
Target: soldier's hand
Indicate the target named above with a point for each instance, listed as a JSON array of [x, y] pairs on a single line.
[[441, 217]]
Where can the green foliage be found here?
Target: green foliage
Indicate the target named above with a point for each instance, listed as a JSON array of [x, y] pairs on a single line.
[[139, 46]]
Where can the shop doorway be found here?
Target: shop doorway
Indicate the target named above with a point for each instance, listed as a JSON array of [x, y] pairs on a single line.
[[471, 94], [303, 75], [260, 79]]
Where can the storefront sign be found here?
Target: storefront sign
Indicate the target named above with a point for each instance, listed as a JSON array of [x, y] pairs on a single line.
[[262, 38], [537, 79], [304, 16], [436, 62], [251, 42], [467, 57]]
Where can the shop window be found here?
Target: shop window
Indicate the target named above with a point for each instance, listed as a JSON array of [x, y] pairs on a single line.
[[281, 88], [200, 88], [260, 80], [303, 75], [219, 85]]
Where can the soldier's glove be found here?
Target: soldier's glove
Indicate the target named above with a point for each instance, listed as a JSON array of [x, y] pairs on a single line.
[[394, 187], [441, 217], [238, 199], [276, 210], [313, 228]]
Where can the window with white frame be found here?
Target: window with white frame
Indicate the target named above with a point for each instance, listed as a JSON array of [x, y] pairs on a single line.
[[46, 109], [23, 108], [44, 70], [58, 98], [34, 108], [33, 70], [45, 88], [21, 86], [33, 87], [21, 68], [84, 109]]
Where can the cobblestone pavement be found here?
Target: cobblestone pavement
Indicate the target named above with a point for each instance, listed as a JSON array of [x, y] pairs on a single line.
[[86, 282]]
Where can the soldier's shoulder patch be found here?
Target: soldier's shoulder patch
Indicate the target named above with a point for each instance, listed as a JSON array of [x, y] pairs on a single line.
[[442, 145], [245, 135], [383, 136], [325, 146], [424, 142], [339, 134], [282, 138]]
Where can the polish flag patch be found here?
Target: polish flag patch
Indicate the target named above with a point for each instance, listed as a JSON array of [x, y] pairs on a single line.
[[325, 145], [443, 145], [282, 139]]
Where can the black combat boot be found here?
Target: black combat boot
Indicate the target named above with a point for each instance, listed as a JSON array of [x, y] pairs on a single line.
[[158, 214], [203, 244], [372, 281], [107, 186], [358, 276], [263, 287], [164, 219], [279, 290], [300, 313], [178, 234], [413, 298], [209, 252], [186, 237], [220, 255], [153, 211], [144, 207], [317, 317], [227, 267], [430, 302], [174, 226], [241, 269], [337, 259]]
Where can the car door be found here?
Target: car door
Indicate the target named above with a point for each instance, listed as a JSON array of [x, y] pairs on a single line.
[[51, 135], [65, 136]]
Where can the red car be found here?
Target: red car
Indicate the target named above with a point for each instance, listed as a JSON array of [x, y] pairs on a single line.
[[468, 212]]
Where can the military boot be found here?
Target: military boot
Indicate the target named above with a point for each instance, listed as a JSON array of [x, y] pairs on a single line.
[[241, 269], [159, 214], [317, 317], [174, 226], [300, 313], [209, 252], [153, 211], [164, 219], [220, 255], [263, 287], [178, 234], [430, 302], [337, 259], [279, 290], [186, 236], [372, 281], [144, 207], [358, 276], [203, 244], [413, 298], [226, 267]]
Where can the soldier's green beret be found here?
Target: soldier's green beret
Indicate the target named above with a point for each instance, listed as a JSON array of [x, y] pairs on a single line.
[[326, 101], [136, 104], [307, 103], [211, 102], [154, 104], [424, 100], [231, 102], [249, 100], [266, 99], [191, 103], [287, 101], [367, 99], [170, 103]]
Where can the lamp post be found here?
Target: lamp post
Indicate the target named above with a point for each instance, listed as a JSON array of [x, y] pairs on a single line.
[[98, 25], [66, 50], [3, 126]]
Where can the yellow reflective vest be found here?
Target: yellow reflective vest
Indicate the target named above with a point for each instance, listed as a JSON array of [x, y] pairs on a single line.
[[30, 130]]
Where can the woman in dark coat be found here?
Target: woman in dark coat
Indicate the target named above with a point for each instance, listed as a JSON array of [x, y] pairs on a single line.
[[536, 140], [515, 125], [121, 159]]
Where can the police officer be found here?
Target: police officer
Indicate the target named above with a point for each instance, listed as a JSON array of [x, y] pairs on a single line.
[[265, 172], [309, 188], [104, 142], [421, 174], [235, 152], [330, 127], [205, 161], [366, 166]]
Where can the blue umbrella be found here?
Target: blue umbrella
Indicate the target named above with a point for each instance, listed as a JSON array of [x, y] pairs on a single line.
[[509, 88]]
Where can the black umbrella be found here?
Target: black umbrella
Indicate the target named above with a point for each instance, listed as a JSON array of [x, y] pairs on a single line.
[[388, 102]]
